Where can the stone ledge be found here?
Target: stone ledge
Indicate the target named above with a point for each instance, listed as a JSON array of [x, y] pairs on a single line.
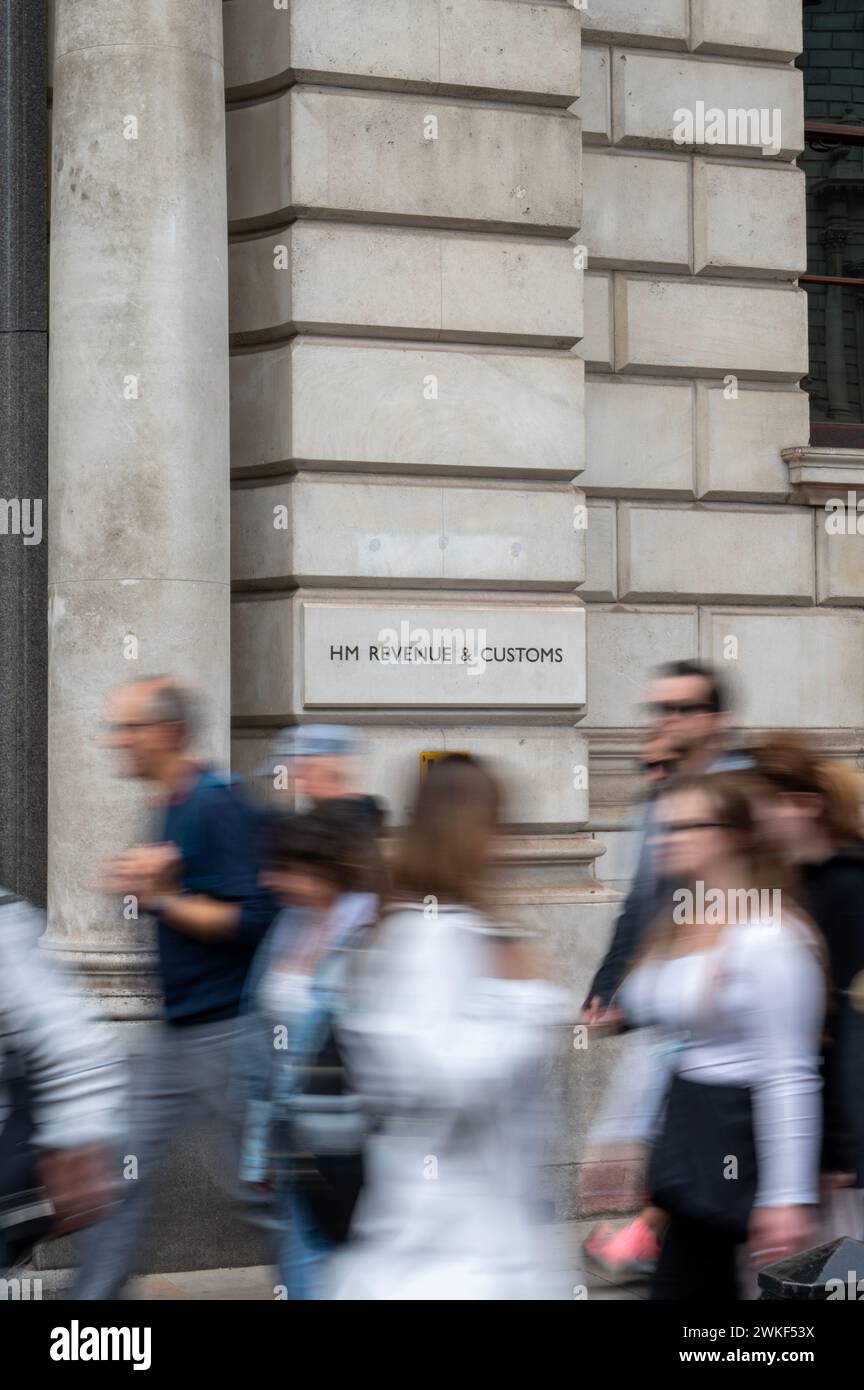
[[820, 474]]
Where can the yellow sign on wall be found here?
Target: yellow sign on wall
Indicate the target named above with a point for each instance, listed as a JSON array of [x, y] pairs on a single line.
[[427, 759]]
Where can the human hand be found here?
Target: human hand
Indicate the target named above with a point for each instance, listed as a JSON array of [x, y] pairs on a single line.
[[79, 1184], [777, 1232], [143, 871]]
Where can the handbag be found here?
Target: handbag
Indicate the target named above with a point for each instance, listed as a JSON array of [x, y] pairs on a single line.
[[323, 1140], [703, 1165]]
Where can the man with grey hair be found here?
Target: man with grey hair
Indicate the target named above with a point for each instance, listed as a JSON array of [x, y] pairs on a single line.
[[200, 879]]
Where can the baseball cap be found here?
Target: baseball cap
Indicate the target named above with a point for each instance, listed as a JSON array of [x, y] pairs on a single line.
[[325, 740], [311, 741]]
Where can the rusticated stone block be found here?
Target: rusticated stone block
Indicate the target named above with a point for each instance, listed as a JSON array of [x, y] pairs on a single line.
[[639, 437], [744, 555], [388, 407], [476, 47], [328, 152], [757, 28], [793, 668], [749, 221], [615, 184], [326, 277], [664, 102], [740, 435], [708, 329], [326, 529], [662, 24]]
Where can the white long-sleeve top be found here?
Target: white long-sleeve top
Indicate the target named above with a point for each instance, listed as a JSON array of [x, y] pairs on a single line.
[[74, 1072], [749, 1012], [453, 1062]]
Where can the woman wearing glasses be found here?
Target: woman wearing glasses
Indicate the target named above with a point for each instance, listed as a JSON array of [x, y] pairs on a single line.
[[733, 974]]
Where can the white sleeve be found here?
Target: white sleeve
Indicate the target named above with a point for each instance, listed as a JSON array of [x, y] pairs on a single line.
[[74, 1076], [788, 1010], [421, 1033]]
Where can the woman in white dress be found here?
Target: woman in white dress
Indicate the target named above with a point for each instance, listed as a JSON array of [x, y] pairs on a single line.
[[448, 1039]]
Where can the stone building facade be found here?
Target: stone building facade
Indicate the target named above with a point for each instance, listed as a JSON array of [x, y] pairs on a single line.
[[493, 340]]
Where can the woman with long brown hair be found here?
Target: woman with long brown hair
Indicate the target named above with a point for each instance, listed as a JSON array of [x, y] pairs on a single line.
[[811, 815], [734, 975], [447, 1040]]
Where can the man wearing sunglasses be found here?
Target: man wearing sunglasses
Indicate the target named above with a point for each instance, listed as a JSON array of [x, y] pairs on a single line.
[[687, 706]]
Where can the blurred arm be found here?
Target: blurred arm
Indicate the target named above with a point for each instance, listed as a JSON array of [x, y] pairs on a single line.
[[790, 1001], [74, 1077]]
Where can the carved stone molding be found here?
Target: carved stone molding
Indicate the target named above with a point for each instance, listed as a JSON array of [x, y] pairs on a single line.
[[819, 474]]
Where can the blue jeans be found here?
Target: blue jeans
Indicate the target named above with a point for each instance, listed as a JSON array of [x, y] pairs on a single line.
[[303, 1249]]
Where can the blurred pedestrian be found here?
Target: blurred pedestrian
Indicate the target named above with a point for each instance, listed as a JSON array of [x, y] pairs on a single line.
[[624, 1127], [688, 709], [313, 763], [735, 976], [61, 1088], [810, 811], [305, 1127], [199, 878], [448, 1038]]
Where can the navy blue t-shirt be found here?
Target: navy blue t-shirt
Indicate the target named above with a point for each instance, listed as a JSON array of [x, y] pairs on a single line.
[[218, 833]]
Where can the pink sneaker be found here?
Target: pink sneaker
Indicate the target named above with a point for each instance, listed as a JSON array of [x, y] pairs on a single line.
[[625, 1255]]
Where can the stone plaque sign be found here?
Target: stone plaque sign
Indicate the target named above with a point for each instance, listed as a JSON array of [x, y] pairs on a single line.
[[404, 654]]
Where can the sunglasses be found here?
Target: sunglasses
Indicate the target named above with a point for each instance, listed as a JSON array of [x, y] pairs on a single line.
[[684, 827], [108, 728], [659, 708], [657, 764]]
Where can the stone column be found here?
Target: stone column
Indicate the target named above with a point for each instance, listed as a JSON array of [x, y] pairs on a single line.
[[23, 447], [139, 555]]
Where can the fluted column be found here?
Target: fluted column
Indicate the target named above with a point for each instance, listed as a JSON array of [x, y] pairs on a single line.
[[138, 429]]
